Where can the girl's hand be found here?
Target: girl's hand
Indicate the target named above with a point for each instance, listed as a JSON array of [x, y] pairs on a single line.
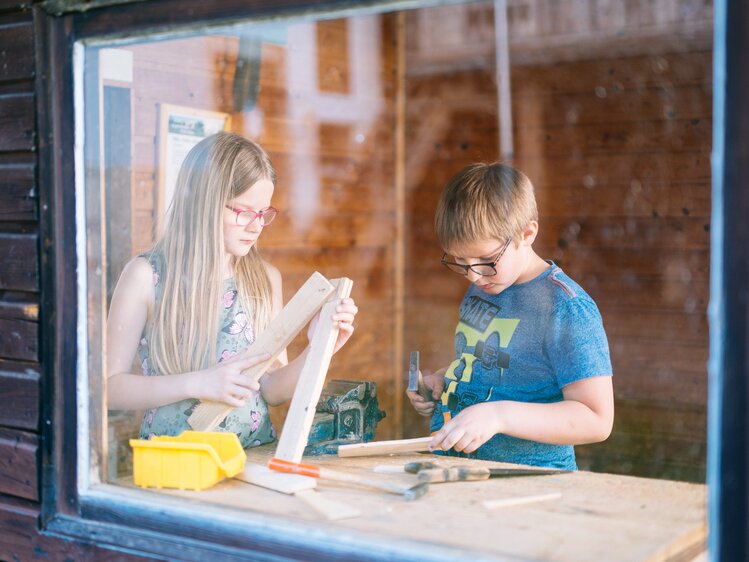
[[434, 382], [344, 316], [224, 382], [470, 429]]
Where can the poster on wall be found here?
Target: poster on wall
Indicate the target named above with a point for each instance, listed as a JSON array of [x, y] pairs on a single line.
[[180, 128]]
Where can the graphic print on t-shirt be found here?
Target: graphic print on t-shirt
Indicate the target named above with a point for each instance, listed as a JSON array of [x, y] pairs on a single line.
[[479, 340]]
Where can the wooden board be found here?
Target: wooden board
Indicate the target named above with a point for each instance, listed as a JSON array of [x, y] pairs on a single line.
[[311, 380], [294, 316], [417, 445], [261, 475]]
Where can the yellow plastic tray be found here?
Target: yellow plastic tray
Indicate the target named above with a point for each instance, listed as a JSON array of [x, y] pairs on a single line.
[[193, 460]]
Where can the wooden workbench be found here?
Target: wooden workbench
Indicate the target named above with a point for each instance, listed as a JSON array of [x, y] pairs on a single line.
[[598, 517]]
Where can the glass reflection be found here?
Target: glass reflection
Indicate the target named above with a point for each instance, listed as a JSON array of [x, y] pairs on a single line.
[[606, 106]]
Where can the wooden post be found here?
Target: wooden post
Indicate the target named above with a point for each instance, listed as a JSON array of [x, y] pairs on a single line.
[[294, 316], [299, 418]]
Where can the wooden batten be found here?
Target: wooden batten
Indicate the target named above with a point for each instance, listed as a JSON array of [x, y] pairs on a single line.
[[311, 379], [416, 445]]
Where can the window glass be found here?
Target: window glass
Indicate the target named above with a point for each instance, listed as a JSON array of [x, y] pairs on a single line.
[[606, 107]]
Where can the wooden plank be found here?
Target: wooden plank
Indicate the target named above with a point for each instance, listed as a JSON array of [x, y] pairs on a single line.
[[17, 122], [294, 316], [18, 197], [594, 170], [19, 339], [690, 101], [330, 230], [261, 475], [659, 136], [19, 306], [22, 539], [19, 455], [620, 73], [20, 259], [19, 395], [311, 379], [417, 445], [16, 49]]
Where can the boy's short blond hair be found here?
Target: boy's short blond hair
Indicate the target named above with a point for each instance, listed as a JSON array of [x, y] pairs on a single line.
[[484, 201]]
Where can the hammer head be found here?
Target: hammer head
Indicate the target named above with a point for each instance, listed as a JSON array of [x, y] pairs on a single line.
[[413, 372]]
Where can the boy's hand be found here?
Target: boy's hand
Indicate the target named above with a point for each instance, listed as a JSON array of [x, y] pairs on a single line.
[[434, 382], [470, 429]]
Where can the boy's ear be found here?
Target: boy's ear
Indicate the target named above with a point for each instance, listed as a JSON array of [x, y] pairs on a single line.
[[529, 233]]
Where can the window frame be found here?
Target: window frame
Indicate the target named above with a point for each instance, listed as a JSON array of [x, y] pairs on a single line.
[[115, 519]]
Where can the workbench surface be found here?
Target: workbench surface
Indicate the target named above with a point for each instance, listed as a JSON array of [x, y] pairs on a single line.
[[598, 517]]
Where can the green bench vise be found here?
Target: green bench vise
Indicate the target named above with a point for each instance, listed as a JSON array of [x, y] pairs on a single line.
[[347, 412]]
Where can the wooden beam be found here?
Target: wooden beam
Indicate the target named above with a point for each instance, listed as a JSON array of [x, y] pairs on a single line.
[[294, 316], [261, 475], [311, 380], [417, 445]]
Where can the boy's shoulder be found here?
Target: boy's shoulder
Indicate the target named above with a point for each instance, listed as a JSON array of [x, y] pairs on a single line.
[[554, 287], [560, 282]]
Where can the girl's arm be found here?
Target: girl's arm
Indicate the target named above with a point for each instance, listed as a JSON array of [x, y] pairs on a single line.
[[130, 309], [586, 415], [278, 386]]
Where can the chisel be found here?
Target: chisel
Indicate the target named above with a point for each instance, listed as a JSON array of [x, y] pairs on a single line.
[[433, 473]]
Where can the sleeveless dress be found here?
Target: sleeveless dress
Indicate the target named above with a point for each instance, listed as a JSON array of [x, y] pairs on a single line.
[[251, 423]]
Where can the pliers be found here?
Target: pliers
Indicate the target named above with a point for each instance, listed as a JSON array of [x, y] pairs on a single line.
[[428, 471]]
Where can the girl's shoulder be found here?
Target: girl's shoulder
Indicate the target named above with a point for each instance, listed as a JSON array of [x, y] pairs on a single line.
[[139, 276]]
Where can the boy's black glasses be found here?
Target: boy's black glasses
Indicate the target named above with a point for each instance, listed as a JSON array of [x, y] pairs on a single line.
[[484, 269]]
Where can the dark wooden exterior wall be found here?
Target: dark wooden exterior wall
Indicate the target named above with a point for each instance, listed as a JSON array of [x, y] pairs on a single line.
[[19, 275], [27, 402]]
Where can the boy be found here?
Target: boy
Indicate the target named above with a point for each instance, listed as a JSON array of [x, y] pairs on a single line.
[[532, 373]]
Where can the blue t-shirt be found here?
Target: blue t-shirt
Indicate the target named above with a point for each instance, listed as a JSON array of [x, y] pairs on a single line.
[[524, 344]]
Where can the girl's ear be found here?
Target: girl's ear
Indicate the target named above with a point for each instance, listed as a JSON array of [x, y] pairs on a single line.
[[529, 233]]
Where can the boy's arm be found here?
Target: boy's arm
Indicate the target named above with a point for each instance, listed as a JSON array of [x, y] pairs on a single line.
[[586, 415]]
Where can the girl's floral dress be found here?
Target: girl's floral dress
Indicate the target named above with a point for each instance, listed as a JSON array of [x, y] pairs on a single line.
[[251, 423]]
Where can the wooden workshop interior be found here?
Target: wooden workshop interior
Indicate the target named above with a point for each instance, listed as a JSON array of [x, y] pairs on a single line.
[[366, 111], [366, 117]]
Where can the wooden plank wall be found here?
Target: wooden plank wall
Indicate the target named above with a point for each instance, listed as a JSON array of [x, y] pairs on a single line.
[[617, 144], [19, 256]]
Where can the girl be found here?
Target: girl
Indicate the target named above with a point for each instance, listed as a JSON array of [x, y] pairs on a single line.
[[196, 301]]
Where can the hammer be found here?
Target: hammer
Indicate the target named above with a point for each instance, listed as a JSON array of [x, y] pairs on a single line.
[[408, 492], [415, 382]]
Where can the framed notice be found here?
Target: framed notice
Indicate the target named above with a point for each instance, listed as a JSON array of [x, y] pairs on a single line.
[[180, 128]]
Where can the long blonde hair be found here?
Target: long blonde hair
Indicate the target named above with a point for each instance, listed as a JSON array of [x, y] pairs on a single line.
[[185, 326]]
